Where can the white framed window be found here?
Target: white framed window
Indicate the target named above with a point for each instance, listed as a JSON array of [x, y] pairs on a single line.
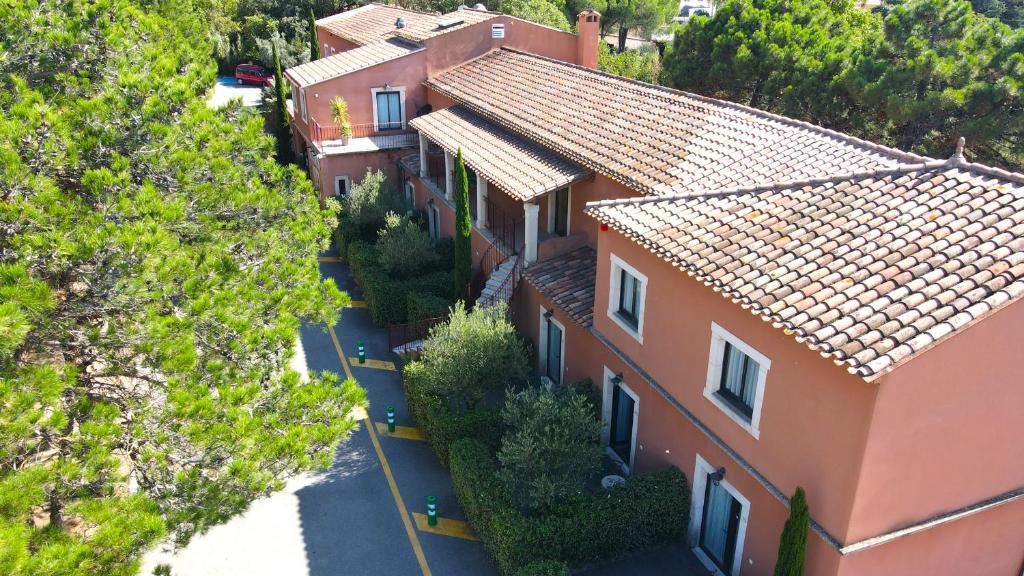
[[719, 515], [342, 185], [388, 108], [434, 221], [736, 379], [626, 298], [302, 104], [620, 416], [558, 211], [326, 48], [332, 50], [551, 347]]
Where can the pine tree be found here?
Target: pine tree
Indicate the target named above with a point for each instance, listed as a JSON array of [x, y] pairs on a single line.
[[463, 230], [282, 133], [155, 265], [793, 543], [314, 44]]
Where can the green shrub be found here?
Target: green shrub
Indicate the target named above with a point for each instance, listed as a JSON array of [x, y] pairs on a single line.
[[648, 510], [793, 542], [437, 283], [445, 248], [385, 297], [544, 568], [441, 427], [420, 306], [551, 449], [473, 354], [589, 391], [403, 248], [367, 204]]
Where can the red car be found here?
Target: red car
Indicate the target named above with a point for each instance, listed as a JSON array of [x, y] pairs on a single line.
[[253, 74]]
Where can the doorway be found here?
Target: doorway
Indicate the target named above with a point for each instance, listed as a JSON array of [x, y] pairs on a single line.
[[718, 520], [620, 415]]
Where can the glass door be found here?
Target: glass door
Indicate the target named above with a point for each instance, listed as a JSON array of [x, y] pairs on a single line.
[[553, 364], [621, 437], [561, 224], [720, 525]]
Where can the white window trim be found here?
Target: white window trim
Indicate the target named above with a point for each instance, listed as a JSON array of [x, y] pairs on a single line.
[[410, 193], [302, 104], [700, 481], [719, 336], [332, 51], [606, 420], [326, 48], [401, 103], [348, 185], [433, 219], [617, 266], [542, 346], [568, 215]]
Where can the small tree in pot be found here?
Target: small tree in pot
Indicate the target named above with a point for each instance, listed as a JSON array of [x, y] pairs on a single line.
[[339, 112]]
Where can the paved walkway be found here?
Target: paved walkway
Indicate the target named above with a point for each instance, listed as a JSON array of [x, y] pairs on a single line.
[[359, 516]]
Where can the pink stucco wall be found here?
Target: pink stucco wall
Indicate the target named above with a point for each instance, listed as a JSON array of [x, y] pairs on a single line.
[[948, 429], [332, 41], [355, 166]]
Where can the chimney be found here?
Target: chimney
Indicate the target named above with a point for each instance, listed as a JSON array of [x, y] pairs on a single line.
[[588, 34]]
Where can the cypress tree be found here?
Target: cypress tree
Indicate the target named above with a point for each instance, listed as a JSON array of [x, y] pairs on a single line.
[[463, 229], [793, 543], [314, 44], [284, 137]]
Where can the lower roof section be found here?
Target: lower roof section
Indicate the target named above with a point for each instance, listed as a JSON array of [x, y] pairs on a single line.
[[349, 61], [568, 280], [516, 166]]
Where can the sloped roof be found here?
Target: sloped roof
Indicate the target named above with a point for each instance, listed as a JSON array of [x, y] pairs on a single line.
[[652, 139], [375, 22], [868, 269], [568, 280], [351, 61], [519, 168]]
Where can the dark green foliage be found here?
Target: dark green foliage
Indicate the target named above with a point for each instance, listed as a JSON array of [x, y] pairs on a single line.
[[445, 248], [642, 65], [441, 426], [551, 448], [364, 210], [404, 249], [591, 392], [793, 543], [157, 262], [387, 298], [420, 306], [281, 133], [463, 231], [1011, 12], [649, 510], [314, 44], [544, 568], [539, 11], [926, 74]]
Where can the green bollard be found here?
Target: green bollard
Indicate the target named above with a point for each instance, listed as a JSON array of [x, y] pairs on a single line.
[[391, 419], [431, 511], [362, 353]]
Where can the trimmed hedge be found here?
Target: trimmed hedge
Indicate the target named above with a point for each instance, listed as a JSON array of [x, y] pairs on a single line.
[[387, 298], [648, 510], [420, 306], [544, 568], [439, 425]]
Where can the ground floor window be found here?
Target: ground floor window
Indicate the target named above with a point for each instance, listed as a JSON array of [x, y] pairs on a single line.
[[434, 221], [620, 413], [718, 519], [410, 194], [342, 185]]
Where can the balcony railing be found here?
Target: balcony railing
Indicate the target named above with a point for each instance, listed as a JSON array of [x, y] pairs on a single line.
[[380, 136]]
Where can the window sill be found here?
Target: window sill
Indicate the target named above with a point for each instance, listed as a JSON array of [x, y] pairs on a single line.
[[626, 326], [731, 411]]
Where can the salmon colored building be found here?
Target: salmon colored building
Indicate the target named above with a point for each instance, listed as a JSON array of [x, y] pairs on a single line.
[[762, 303]]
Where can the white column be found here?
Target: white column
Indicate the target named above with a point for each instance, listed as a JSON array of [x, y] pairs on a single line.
[[449, 169], [481, 202], [423, 156], [530, 234]]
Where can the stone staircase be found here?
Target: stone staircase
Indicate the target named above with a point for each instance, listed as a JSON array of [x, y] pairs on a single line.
[[501, 283]]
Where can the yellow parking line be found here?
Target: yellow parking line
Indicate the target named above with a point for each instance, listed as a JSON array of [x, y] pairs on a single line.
[[377, 364], [395, 494], [328, 259], [357, 304], [405, 432], [445, 527]]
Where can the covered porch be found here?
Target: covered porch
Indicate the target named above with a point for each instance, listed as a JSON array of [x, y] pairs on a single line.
[[519, 193]]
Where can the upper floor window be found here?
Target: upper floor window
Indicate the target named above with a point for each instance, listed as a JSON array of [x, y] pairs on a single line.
[[302, 104], [626, 299], [388, 107], [736, 378]]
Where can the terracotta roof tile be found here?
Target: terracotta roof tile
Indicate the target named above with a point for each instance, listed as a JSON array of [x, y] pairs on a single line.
[[519, 168], [652, 139], [568, 281], [351, 60], [869, 269], [372, 23]]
